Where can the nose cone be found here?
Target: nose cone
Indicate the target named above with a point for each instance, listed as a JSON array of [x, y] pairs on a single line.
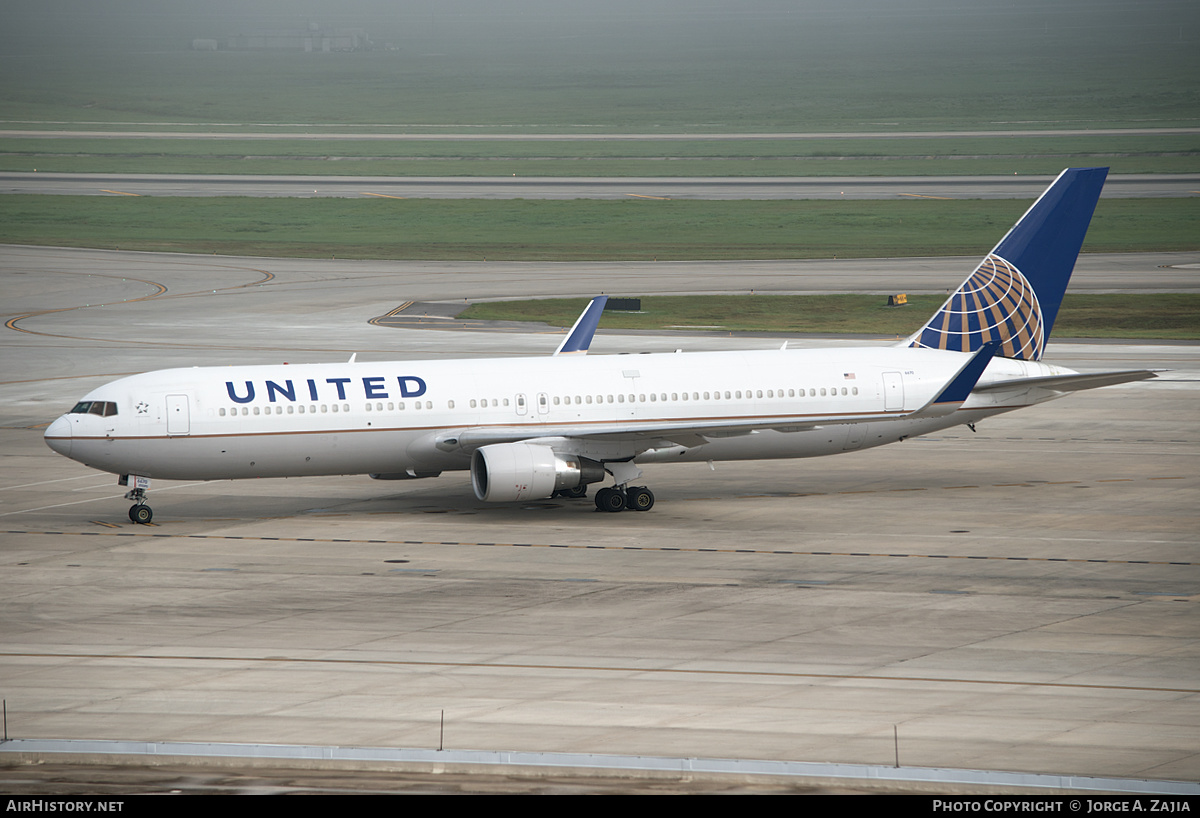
[[58, 436]]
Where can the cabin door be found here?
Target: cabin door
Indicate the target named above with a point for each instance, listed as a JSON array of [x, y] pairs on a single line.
[[893, 392], [178, 419]]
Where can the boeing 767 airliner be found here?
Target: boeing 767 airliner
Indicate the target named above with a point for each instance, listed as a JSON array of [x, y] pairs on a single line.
[[535, 428]]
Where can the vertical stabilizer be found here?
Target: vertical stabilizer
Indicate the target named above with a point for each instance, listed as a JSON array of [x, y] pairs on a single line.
[[1014, 294]]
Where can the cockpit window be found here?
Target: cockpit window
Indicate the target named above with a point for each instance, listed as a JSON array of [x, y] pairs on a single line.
[[104, 408]]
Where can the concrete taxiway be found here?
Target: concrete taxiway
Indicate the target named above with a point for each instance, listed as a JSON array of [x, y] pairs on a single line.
[[1020, 598], [513, 187]]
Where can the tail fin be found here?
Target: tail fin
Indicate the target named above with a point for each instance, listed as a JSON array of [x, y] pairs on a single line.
[[1014, 294]]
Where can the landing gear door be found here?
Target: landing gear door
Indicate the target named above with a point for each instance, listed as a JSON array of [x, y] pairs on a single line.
[[178, 420]]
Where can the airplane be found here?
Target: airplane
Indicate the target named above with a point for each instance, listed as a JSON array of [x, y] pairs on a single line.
[[535, 428]]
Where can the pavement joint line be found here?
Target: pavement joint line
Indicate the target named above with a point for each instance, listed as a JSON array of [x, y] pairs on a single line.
[[661, 549], [635, 669]]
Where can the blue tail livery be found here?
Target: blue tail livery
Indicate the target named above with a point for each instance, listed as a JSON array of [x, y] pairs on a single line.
[[1014, 294]]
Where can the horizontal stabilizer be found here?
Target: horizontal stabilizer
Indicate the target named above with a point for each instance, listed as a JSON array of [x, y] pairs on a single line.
[[1071, 383]]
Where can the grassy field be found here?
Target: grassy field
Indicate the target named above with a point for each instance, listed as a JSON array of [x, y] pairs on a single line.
[[638, 66], [635, 68], [1163, 316], [967, 155], [568, 230], [761, 66]]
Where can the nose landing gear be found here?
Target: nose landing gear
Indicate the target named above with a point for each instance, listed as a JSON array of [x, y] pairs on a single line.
[[139, 512]]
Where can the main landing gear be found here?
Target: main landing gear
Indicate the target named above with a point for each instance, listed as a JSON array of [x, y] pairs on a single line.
[[621, 498]]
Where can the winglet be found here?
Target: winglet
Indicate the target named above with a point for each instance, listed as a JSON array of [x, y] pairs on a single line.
[[580, 337], [959, 388]]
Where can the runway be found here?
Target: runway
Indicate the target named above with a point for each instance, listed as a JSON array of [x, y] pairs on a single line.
[[504, 187], [1020, 598]]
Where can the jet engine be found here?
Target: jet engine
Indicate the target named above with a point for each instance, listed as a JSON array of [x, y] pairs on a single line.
[[528, 471]]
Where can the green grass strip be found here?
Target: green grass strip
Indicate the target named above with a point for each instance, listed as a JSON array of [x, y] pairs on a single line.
[[636, 229], [1162, 316]]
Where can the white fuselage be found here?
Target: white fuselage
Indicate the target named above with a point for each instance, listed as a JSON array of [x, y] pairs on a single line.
[[417, 417]]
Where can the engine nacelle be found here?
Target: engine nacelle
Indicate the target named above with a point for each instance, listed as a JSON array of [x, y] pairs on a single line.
[[527, 471]]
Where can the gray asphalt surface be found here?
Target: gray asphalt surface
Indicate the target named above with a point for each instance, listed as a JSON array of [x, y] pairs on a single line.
[[479, 187]]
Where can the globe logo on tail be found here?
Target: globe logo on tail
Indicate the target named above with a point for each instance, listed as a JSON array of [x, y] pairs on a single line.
[[997, 303]]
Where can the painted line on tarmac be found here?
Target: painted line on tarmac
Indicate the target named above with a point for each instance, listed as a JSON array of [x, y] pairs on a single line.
[[142, 533]]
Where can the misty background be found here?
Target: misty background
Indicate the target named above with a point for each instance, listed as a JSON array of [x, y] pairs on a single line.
[[769, 62]]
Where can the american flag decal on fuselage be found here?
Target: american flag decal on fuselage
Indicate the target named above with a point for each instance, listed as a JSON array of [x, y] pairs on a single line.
[[996, 303]]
